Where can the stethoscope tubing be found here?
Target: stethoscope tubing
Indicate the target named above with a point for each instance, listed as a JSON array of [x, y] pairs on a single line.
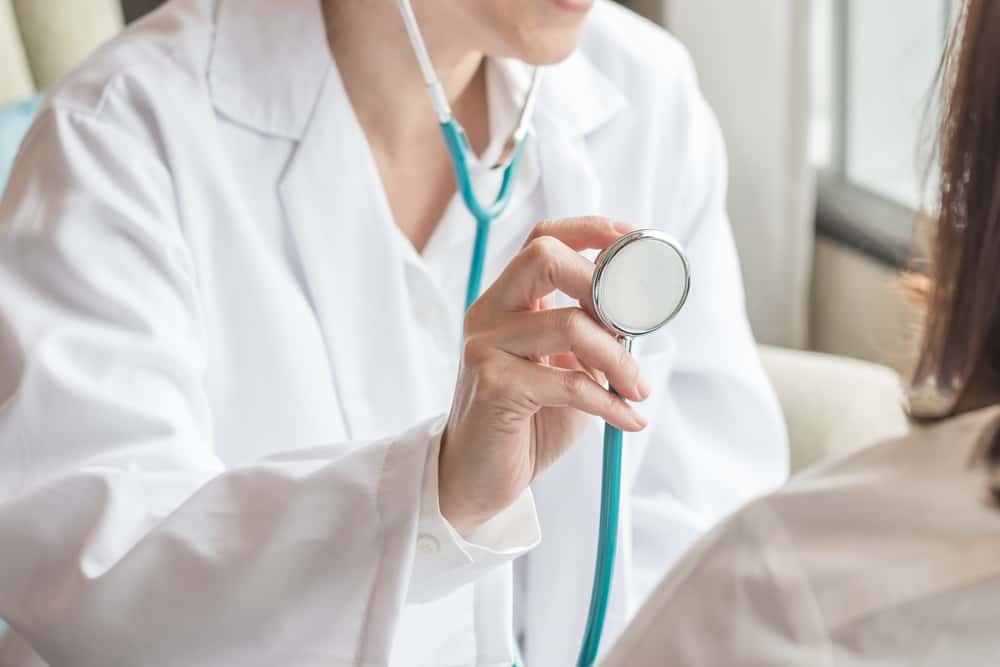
[[607, 545], [458, 147], [458, 150]]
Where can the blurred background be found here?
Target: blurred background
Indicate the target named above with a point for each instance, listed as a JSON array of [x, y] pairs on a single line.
[[827, 110]]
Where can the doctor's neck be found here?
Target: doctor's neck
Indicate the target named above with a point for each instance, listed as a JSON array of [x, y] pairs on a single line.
[[381, 76]]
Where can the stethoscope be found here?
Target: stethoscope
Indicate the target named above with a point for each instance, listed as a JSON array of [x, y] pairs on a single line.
[[459, 150], [640, 283]]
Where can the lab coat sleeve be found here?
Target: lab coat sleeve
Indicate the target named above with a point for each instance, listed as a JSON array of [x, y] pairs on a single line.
[[442, 551], [125, 540], [740, 596], [717, 435]]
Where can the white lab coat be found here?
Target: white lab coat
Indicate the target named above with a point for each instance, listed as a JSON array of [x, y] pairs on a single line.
[[223, 369], [889, 557]]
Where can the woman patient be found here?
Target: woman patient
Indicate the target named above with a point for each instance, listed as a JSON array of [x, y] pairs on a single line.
[[890, 556]]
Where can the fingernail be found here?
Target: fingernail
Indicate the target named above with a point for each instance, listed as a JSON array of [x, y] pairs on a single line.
[[638, 421], [623, 227], [642, 389]]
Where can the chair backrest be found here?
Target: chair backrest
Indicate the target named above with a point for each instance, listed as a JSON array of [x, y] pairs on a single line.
[[40, 40], [833, 405]]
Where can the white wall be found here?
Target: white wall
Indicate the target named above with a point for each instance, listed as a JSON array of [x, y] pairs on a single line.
[[858, 309], [842, 301], [752, 60]]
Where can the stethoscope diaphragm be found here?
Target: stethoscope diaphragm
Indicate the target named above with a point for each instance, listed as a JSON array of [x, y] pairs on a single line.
[[640, 283]]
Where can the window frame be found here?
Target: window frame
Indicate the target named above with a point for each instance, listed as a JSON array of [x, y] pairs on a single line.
[[847, 211]]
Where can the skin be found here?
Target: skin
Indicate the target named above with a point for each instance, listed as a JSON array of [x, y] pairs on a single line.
[[530, 375]]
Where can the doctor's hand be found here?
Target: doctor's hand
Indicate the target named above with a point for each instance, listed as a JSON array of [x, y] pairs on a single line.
[[531, 374]]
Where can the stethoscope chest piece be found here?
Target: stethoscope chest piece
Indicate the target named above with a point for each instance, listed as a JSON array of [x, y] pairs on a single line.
[[640, 283]]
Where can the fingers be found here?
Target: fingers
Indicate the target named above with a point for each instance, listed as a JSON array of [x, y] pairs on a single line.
[[544, 266], [550, 261], [550, 332], [558, 388], [588, 232]]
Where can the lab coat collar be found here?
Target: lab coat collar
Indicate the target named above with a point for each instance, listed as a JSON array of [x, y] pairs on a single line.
[[270, 59], [574, 95], [268, 63]]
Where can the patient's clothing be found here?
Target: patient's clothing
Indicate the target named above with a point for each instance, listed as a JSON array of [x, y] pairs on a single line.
[[888, 557]]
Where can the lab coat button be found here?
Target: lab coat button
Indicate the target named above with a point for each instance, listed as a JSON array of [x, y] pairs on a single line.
[[428, 544]]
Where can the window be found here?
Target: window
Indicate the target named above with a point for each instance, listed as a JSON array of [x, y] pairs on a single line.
[[874, 65]]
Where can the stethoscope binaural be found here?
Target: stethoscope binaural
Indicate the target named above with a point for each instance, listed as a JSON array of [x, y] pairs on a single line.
[[640, 283], [459, 150]]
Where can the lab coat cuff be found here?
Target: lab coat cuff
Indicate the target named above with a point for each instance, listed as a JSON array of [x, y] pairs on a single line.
[[445, 559]]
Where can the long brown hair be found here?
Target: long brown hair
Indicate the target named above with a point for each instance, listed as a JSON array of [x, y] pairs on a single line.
[[960, 350]]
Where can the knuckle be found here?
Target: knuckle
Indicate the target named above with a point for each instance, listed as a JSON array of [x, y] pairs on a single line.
[[487, 388], [543, 248], [478, 318], [542, 256], [574, 325], [575, 383], [475, 351], [543, 228], [492, 382]]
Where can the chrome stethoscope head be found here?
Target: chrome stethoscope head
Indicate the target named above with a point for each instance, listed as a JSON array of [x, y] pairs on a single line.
[[641, 282]]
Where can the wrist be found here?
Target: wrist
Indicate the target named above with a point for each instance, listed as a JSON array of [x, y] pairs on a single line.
[[459, 505]]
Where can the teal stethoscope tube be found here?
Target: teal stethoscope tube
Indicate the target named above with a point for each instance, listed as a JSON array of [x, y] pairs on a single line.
[[458, 147], [607, 544]]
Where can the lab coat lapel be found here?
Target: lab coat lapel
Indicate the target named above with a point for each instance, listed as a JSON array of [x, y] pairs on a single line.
[[268, 62], [569, 185], [575, 100], [271, 71], [353, 267]]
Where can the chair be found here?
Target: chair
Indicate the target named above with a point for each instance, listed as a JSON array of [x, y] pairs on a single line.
[[833, 405], [41, 41]]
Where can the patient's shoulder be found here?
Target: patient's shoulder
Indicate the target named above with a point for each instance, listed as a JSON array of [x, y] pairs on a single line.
[[893, 523]]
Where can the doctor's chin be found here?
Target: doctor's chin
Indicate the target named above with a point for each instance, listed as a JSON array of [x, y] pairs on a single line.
[[499, 333]]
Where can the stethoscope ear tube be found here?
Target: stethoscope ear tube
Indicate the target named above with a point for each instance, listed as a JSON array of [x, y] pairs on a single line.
[[458, 150], [434, 87]]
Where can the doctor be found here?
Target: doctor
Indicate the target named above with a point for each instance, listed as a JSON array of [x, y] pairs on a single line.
[[241, 421]]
